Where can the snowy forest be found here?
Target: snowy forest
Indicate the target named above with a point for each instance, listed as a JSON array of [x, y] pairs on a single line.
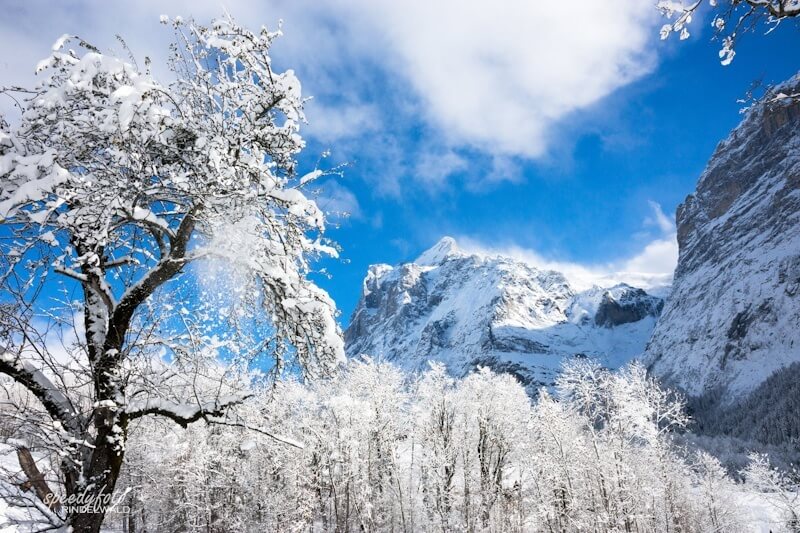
[[377, 450], [169, 360]]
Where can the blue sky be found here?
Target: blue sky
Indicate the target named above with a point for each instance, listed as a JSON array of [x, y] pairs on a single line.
[[558, 137]]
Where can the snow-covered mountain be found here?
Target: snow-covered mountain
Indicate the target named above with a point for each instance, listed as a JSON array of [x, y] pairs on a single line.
[[467, 310], [733, 317]]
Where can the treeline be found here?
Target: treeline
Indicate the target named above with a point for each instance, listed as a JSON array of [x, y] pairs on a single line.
[[769, 415], [385, 452]]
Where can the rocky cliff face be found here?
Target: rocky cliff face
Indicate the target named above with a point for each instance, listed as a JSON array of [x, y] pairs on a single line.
[[733, 317], [467, 310]]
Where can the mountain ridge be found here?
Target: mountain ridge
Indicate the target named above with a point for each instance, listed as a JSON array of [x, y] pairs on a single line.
[[469, 310]]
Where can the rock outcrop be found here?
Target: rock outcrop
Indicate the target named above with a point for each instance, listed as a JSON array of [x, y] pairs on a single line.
[[733, 317]]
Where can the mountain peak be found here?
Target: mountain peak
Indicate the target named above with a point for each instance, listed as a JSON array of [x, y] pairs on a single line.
[[495, 312], [439, 252]]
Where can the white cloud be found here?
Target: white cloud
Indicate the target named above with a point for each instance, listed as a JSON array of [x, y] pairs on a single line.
[[659, 218], [650, 268], [498, 76], [503, 169], [657, 257], [330, 124], [433, 169], [62, 333], [495, 77]]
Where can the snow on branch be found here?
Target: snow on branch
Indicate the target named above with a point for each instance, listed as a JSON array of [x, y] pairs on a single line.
[[183, 414], [731, 18], [54, 401], [116, 183]]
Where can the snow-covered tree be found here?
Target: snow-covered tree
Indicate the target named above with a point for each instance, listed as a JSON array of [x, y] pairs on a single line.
[[492, 422], [385, 451], [120, 196], [437, 439], [730, 18], [717, 501], [782, 490]]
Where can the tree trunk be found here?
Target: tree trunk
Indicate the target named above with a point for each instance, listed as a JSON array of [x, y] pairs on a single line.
[[96, 495], [129, 520]]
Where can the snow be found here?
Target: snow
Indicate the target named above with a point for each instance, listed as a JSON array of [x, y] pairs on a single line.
[[59, 44], [37, 376], [147, 215], [311, 176], [36, 187], [459, 309], [248, 445], [441, 251], [759, 512], [10, 514], [184, 410]]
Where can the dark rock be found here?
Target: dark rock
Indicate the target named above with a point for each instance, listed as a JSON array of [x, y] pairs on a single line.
[[633, 306]]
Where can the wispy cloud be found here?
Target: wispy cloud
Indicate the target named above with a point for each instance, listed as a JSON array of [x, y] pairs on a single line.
[[650, 268], [434, 169], [332, 124], [659, 218]]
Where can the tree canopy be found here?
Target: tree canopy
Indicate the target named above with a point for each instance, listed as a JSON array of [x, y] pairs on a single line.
[[117, 186]]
